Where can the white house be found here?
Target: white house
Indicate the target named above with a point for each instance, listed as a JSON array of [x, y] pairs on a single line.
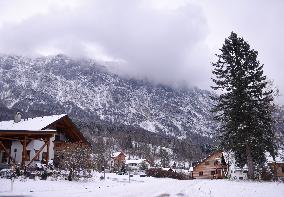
[[235, 172], [137, 164], [32, 148], [238, 173]]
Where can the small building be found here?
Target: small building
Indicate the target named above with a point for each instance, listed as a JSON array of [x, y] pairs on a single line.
[[117, 161], [235, 172], [212, 167], [277, 165], [34, 140], [238, 173]]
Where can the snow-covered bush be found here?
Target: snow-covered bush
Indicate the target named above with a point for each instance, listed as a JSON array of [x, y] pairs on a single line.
[[159, 173]]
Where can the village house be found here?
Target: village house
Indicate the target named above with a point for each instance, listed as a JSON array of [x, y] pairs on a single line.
[[235, 172], [212, 167], [135, 165], [117, 161], [277, 165], [34, 140]]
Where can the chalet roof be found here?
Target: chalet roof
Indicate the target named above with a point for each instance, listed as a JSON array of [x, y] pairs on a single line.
[[206, 158], [31, 124], [45, 125], [116, 154]]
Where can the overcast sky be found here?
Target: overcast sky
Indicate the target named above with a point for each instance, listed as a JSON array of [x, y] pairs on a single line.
[[170, 41]]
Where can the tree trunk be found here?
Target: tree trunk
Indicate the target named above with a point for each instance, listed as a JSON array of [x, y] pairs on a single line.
[[249, 162]]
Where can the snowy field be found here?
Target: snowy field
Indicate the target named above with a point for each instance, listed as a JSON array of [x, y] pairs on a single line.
[[118, 185]]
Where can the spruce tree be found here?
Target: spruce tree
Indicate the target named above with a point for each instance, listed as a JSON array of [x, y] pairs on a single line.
[[245, 104]]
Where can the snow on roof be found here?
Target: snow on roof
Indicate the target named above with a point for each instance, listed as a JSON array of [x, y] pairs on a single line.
[[30, 124], [204, 159], [137, 161], [116, 154]]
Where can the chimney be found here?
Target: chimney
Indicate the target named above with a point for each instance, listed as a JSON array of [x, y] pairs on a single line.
[[17, 117]]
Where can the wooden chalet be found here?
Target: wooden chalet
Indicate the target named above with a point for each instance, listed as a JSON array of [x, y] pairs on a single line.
[[117, 161], [276, 165], [24, 141], [277, 169], [213, 167]]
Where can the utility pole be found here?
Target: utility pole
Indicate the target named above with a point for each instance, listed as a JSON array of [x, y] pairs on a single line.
[[128, 173], [103, 169]]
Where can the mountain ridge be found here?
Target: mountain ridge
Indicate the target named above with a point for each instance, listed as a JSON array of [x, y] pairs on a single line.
[[87, 90]]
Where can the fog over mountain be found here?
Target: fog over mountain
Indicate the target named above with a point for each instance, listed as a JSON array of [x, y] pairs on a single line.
[[167, 41]]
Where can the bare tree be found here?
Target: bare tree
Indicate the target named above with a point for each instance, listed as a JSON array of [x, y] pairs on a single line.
[[77, 159]]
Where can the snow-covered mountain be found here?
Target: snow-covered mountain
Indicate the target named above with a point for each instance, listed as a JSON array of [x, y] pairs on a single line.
[[87, 90]]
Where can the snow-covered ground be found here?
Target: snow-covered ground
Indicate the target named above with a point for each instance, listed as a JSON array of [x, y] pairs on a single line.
[[118, 185]]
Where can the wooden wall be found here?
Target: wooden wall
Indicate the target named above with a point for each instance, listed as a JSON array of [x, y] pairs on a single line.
[[210, 168], [278, 168]]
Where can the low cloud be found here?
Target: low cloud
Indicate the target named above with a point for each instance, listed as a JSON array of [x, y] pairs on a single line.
[[167, 41], [145, 41]]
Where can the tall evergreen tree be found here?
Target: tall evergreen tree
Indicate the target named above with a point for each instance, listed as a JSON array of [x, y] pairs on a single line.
[[245, 105], [165, 160]]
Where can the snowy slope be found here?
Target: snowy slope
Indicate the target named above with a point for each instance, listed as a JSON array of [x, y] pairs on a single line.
[[85, 89]]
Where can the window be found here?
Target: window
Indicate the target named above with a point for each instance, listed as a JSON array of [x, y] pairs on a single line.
[[219, 171], [57, 137], [60, 137], [5, 157], [201, 173], [283, 169], [213, 172], [206, 162]]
